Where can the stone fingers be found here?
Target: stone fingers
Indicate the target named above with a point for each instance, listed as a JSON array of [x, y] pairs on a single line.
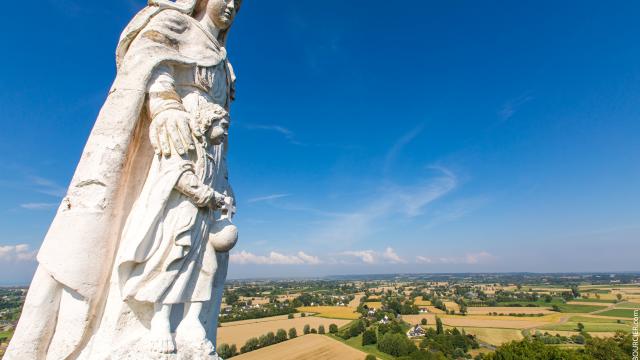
[[185, 132], [153, 138], [174, 136], [164, 140]]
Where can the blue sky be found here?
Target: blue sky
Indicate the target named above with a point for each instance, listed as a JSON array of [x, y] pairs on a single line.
[[368, 136]]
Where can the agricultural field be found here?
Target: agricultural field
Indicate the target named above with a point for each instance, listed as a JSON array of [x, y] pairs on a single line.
[[332, 312], [495, 336], [308, 347], [580, 308], [373, 304], [628, 305], [620, 313], [494, 308], [422, 302], [507, 310], [238, 332]]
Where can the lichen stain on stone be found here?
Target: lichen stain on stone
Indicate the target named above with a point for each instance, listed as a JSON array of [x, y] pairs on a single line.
[[90, 182], [161, 38]]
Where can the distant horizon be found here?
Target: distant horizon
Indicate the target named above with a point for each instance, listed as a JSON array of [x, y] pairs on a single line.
[[373, 275]]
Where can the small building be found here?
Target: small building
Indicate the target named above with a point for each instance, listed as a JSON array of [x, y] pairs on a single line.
[[416, 331]]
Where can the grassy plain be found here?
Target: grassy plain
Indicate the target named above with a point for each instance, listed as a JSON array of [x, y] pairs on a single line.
[[622, 313], [356, 343]]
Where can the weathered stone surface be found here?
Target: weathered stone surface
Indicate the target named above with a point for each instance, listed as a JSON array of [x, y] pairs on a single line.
[[134, 263]]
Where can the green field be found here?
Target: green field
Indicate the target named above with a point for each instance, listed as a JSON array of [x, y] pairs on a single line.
[[628, 305], [584, 319], [595, 300], [356, 342], [589, 327], [625, 313], [579, 308]]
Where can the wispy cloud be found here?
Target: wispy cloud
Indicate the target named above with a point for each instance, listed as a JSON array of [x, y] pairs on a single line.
[[395, 150], [512, 106], [38, 206], [267, 198], [390, 201], [16, 253], [274, 258], [46, 186], [288, 134], [481, 257]]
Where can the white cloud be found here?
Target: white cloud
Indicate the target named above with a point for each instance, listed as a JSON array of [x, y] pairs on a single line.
[[268, 197], [274, 258], [391, 256], [423, 259], [477, 258], [16, 253], [366, 256], [373, 257], [309, 259], [38, 206]]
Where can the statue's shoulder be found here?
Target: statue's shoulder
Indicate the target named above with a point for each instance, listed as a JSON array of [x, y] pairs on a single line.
[[172, 21]]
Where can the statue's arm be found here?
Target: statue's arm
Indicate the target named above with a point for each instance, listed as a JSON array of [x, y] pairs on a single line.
[[170, 128], [165, 107]]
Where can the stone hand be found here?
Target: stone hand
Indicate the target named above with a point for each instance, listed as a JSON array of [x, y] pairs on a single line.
[[217, 201], [171, 127]]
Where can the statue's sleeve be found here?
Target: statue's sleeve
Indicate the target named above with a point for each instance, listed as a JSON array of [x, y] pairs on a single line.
[[162, 92]]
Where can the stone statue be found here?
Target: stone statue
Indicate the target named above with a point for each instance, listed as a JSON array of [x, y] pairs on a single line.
[[134, 263]]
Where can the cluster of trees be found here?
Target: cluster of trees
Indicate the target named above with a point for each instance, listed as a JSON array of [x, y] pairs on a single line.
[[516, 314], [227, 351], [549, 339], [354, 329], [267, 310], [618, 347], [307, 299], [452, 343], [402, 307]]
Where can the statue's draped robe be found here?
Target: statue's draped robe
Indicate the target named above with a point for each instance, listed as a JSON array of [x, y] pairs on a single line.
[[80, 247]]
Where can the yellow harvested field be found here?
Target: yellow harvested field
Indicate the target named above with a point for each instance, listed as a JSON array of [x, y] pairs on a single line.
[[421, 302], [495, 337], [334, 312], [473, 321], [452, 306], [238, 332], [356, 300], [434, 310], [374, 304], [308, 347], [484, 310], [289, 297], [255, 300], [415, 319], [550, 289]]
